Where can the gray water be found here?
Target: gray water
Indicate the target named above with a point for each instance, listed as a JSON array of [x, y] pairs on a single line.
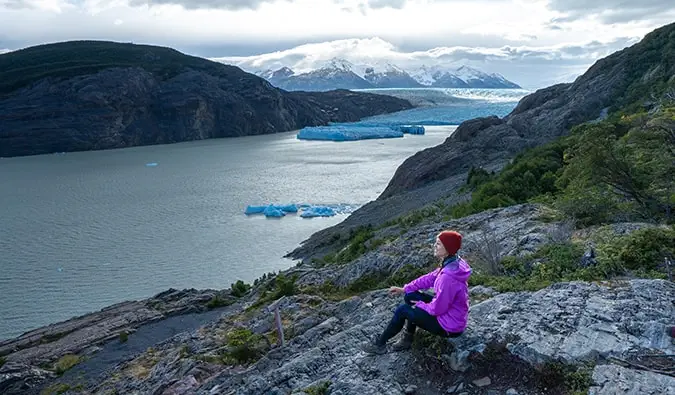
[[81, 231]]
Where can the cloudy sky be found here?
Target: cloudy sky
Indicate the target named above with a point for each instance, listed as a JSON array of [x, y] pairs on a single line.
[[552, 39]]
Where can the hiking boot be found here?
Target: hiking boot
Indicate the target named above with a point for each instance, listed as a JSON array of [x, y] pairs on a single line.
[[373, 348], [405, 342]]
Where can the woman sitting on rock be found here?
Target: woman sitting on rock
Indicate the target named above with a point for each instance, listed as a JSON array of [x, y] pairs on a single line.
[[445, 313]]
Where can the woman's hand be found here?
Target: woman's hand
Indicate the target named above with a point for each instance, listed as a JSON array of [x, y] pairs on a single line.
[[396, 290]]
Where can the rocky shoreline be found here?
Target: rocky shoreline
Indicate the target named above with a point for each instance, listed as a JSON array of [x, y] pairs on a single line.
[[615, 330]]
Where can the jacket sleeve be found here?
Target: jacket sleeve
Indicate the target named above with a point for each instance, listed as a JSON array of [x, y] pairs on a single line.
[[424, 282], [441, 302]]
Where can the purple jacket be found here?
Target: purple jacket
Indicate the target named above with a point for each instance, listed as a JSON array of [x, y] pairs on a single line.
[[450, 304]]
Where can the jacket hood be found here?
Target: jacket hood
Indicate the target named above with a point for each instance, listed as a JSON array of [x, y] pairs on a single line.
[[459, 270]]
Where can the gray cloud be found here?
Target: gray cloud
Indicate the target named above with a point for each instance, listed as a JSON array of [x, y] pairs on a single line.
[[611, 11], [204, 4]]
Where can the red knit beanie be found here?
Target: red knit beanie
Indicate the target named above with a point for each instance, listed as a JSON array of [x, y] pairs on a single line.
[[452, 241]]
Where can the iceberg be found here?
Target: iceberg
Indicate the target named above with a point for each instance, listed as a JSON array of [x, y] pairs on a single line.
[[347, 133], [286, 208], [305, 210], [272, 211], [255, 210], [317, 211]]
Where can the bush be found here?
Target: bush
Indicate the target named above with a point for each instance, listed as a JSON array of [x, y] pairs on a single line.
[[217, 301], [243, 347], [551, 263], [124, 336], [240, 288], [318, 389], [573, 379], [645, 249], [65, 363], [280, 286]]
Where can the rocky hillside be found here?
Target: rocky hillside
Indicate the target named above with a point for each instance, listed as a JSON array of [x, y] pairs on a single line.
[[88, 95], [606, 337], [629, 79]]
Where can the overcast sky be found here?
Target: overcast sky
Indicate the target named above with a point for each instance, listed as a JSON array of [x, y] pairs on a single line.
[[572, 32]]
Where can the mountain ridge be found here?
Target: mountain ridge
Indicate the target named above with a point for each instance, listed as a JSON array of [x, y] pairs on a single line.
[[339, 73]]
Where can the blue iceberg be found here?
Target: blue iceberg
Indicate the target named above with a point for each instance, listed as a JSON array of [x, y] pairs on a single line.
[[255, 210], [284, 208], [305, 210], [272, 211], [317, 211], [287, 208], [347, 133]]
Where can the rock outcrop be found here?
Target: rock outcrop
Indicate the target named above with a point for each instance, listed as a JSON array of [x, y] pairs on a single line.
[[437, 173], [25, 355], [565, 323], [125, 95], [618, 328]]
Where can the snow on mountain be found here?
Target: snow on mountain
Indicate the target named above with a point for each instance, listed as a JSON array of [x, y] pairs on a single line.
[[340, 73], [371, 62]]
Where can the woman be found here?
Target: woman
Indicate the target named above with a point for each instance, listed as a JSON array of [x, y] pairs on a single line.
[[445, 313]]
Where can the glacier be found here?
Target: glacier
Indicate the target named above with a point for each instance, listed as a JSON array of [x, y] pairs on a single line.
[[357, 131]]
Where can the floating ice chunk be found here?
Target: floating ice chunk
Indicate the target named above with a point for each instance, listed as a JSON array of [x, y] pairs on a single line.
[[272, 211], [317, 211], [255, 210], [151, 164], [347, 133], [306, 210], [287, 208]]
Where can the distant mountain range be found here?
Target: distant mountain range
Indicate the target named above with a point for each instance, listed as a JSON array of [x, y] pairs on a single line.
[[342, 74]]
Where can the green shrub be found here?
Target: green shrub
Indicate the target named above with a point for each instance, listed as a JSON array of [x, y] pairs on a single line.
[[279, 286], [3, 360], [240, 288], [319, 388], [217, 301], [243, 347], [550, 264], [646, 248], [572, 378], [124, 336], [65, 363]]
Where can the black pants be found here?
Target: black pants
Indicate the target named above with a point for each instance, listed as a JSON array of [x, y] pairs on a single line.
[[415, 317]]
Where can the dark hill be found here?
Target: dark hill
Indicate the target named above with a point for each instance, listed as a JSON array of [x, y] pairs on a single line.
[[87, 95]]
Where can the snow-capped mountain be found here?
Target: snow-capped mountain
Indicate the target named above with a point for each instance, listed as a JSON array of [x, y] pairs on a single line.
[[339, 73], [336, 74], [389, 76]]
